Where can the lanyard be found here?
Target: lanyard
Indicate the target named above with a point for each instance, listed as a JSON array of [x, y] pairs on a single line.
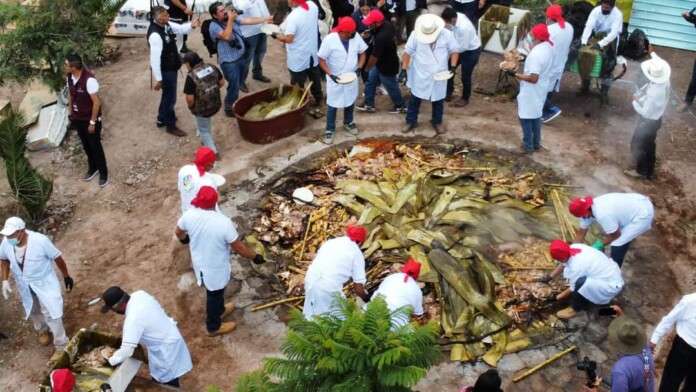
[[646, 369], [24, 256]]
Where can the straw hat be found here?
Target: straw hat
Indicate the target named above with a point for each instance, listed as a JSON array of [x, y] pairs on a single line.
[[656, 69], [428, 28], [627, 336]]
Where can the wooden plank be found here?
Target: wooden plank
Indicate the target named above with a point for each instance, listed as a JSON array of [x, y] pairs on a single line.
[[37, 97]]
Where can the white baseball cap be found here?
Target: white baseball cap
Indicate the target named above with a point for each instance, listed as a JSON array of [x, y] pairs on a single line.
[[12, 225]]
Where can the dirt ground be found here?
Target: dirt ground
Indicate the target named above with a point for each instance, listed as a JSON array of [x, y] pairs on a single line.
[[122, 234]]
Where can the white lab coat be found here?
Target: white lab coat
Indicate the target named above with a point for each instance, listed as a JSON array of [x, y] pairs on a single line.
[[611, 24], [38, 273], [530, 100], [147, 323], [341, 62], [632, 213], [604, 280], [562, 38], [426, 62]]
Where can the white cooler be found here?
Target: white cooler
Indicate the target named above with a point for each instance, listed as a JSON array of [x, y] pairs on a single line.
[[494, 44]]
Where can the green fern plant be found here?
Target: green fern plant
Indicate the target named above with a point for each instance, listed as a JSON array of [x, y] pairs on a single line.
[[29, 187], [348, 350]]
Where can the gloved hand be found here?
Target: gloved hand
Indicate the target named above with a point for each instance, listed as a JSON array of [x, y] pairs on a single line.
[[334, 78], [69, 283], [551, 298], [596, 47], [403, 76], [451, 67], [105, 387], [543, 279], [186, 240], [598, 245], [511, 72], [274, 35], [258, 259], [6, 290]]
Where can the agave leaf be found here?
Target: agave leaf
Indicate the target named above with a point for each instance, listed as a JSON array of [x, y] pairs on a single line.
[[365, 190], [396, 234], [403, 196], [427, 273], [388, 191], [477, 204], [426, 238], [440, 206], [496, 352], [389, 244], [368, 215], [349, 203], [460, 216]]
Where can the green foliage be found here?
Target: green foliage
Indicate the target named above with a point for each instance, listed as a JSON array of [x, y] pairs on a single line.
[[44, 33], [348, 350], [212, 388], [29, 187]]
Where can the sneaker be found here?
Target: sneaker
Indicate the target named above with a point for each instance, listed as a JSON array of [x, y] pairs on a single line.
[[229, 308], [328, 139], [409, 128], [382, 91], [224, 328], [683, 107], [45, 338], [243, 88], [567, 313], [262, 79], [365, 108], [554, 112], [90, 174], [103, 180], [399, 110], [351, 128], [176, 131]]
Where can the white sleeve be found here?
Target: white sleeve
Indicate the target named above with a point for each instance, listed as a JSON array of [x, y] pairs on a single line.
[[92, 86], [359, 267], [452, 45], [325, 48], [616, 28], [181, 223], [410, 47], [123, 353], [418, 306], [49, 249], [290, 25], [183, 28], [668, 322], [231, 234], [589, 26], [156, 47]]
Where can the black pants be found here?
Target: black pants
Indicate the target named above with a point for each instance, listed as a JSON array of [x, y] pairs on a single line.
[[679, 367], [469, 9], [578, 302], [171, 383], [91, 142], [691, 92], [643, 145], [311, 73], [618, 253], [214, 306]]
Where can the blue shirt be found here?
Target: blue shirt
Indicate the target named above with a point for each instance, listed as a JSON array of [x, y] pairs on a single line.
[[226, 52], [628, 374]]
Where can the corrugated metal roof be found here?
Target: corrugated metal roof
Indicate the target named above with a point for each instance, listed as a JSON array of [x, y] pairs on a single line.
[[662, 22]]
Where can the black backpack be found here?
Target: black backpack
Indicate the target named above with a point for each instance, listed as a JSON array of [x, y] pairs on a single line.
[[207, 41], [635, 47]]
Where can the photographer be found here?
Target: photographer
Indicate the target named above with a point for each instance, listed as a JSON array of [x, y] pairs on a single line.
[[634, 371], [691, 92]]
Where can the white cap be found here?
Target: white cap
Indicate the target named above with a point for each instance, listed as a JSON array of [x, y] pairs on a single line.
[[12, 225]]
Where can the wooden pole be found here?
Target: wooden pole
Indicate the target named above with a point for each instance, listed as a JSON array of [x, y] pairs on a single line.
[[543, 364], [274, 303]]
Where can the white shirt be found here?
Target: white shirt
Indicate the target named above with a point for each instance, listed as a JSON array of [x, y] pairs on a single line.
[[632, 213], [398, 293], [611, 24], [426, 62], [156, 47], [37, 274], [338, 260], [252, 9], [302, 24], [562, 38], [92, 84], [530, 100], [684, 315], [211, 234], [340, 62], [653, 103], [147, 323], [410, 5], [465, 33], [190, 182], [604, 279]]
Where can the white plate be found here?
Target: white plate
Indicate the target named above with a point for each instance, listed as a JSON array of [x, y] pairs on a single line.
[[270, 29], [303, 195], [346, 78], [444, 75], [217, 179]]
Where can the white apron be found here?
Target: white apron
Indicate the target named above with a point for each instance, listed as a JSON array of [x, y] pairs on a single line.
[[426, 62], [341, 62], [604, 281], [38, 274], [319, 292]]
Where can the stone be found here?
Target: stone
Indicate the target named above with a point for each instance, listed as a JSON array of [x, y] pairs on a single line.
[[511, 363], [594, 332], [592, 352], [532, 358], [186, 281], [578, 322], [246, 296], [556, 375]]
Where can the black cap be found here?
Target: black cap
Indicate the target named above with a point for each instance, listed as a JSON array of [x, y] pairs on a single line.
[[488, 382], [192, 58], [111, 297]]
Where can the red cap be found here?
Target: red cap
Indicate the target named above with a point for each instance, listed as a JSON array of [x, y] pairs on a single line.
[[356, 233], [62, 380], [204, 156], [555, 12], [345, 24], [206, 198], [541, 32], [579, 206], [412, 269], [561, 250], [375, 16]]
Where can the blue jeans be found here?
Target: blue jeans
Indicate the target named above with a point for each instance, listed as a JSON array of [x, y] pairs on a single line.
[[468, 60], [374, 78], [232, 71], [691, 91], [214, 306], [578, 302], [257, 47], [331, 117], [531, 133], [204, 125], [165, 113], [414, 106], [618, 253]]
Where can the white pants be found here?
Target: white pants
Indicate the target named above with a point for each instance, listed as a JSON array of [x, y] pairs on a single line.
[[43, 322]]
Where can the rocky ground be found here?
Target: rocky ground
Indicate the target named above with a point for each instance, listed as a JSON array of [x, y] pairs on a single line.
[[122, 234]]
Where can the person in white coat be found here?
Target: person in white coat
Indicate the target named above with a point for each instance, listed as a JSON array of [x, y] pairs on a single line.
[[192, 177], [622, 216], [430, 49], [650, 103], [605, 23], [337, 261], [147, 323], [592, 277], [469, 52], [30, 256], [401, 289], [342, 53], [534, 84], [562, 36], [212, 236]]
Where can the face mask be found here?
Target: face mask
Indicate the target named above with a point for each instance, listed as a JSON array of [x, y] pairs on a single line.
[[529, 39], [13, 241], [606, 12]]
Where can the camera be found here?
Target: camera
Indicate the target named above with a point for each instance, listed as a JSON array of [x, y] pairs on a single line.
[[589, 367]]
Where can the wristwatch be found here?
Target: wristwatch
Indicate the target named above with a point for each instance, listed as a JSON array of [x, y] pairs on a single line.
[[92, 122]]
